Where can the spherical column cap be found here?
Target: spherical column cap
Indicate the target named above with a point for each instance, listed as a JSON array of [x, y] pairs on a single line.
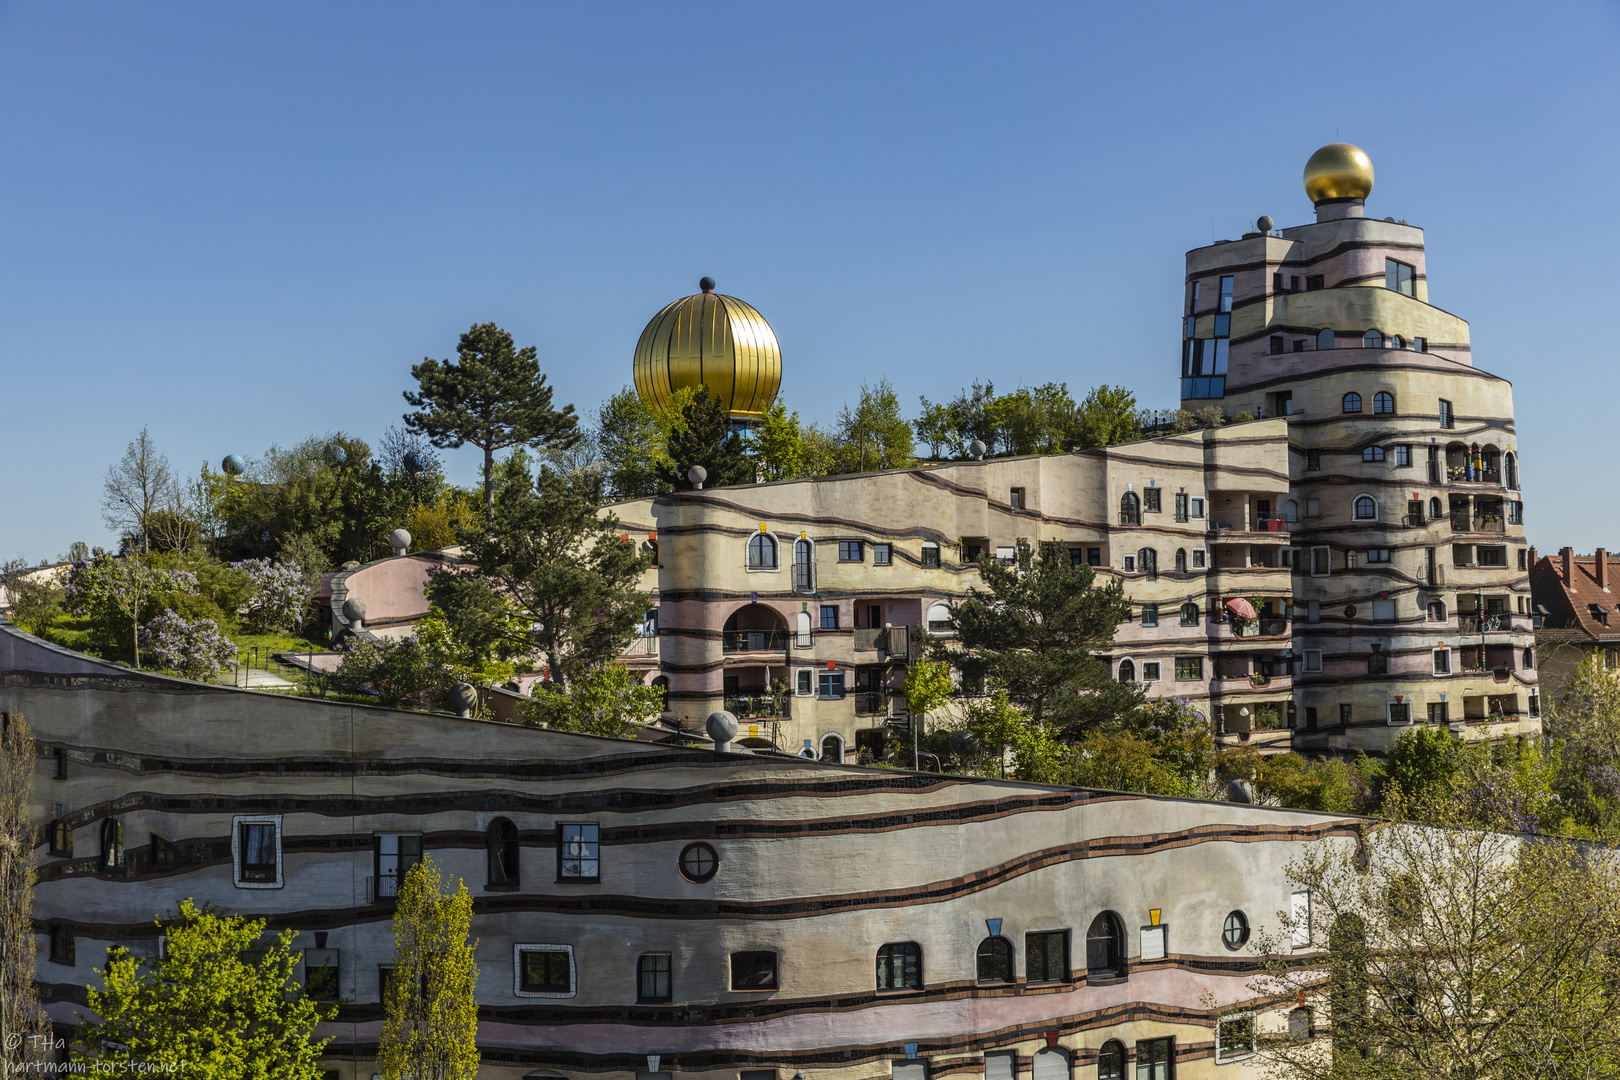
[[722, 726], [354, 609], [697, 474], [400, 538]]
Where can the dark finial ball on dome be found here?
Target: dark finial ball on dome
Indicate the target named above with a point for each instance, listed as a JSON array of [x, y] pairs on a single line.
[[707, 284]]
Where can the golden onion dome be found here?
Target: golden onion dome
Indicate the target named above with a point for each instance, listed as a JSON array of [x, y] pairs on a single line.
[[715, 341], [1338, 171]]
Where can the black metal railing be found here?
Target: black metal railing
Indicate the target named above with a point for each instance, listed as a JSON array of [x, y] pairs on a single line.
[[754, 640], [758, 706], [1484, 624], [868, 703]]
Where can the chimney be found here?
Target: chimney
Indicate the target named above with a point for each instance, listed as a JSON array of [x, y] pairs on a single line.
[[1567, 557], [1532, 555], [1603, 569]]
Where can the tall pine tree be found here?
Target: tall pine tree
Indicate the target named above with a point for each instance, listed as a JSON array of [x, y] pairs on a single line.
[[705, 437]]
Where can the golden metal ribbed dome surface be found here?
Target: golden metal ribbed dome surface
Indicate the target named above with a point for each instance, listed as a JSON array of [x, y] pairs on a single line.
[[711, 340], [1338, 171]]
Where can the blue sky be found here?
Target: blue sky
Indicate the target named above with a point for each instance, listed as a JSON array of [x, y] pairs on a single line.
[[241, 224]]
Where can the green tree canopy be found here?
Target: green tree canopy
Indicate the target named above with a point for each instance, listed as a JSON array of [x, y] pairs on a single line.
[[873, 435], [565, 567], [430, 1013], [778, 445], [211, 1006], [1107, 417], [701, 434], [631, 441], [1033, 629], [606, 700], [493, 398]]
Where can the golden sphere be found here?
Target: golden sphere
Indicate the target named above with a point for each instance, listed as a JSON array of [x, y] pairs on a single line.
[[715, 341], [1338, 171]]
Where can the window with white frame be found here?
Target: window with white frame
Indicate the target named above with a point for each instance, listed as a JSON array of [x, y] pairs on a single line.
[[762, 553], [802, 630], [256, 850], [1235, 1038], [1366, 508], [1442, 661], [1299, 910], [1399, 712], [1150, 671], [939, 617], [544, 971]]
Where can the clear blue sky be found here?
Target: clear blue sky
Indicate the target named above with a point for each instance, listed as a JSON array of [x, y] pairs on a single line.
[[241, 224]]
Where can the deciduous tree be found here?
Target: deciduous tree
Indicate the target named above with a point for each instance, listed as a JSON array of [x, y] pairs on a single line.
[[493, 397], [606, 700], [778, 444], [24, 1028], [873, 435], [136, 487], [430, 1015]]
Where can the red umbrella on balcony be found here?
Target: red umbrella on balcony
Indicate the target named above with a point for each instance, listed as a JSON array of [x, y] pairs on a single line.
[[1240, 607]]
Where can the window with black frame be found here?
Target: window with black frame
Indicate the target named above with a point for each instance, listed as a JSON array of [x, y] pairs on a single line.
[[762, 552], [579, 852], [753, 970], [1046, 956], [653, 977], [321, 974], [258, 848], [501, 850], [1105, 947], [1111, 1061], [545, 971], [1155, 1058], [995, 960], [899, 966], [112, 844]]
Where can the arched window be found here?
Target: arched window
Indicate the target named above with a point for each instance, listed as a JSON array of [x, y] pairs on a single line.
[[1352, 402], [1324, 339], [1529, 658], [1397, 342], [939, 617], [995, 960], [1189, 614], [899, 966], [804, 566], [1147, 561], [1111, 1061], [1290, 509], [1378, 664], [832, 749], [1105, 947], [1372, 339], [1435, 610], [501, 842], [1383, 403], [1127, 671], [112, 844], [1130, 509], [762, 552], [1181, 560], [1051, 1063], [1434, 508], [661, 684], [802, 630], [1366, 508], [1510, 471]]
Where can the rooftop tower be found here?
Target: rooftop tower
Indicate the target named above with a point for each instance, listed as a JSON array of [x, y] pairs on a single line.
[[712, 340]]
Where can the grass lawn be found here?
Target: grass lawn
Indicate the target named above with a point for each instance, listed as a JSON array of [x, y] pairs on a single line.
[[73, 632]]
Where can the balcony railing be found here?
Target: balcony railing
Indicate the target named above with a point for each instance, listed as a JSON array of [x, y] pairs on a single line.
[[868, 703], [754, 640], [1470, 623], [1461, 474], [758, 706], [1241, 522], [642, 646], [1265, 626]]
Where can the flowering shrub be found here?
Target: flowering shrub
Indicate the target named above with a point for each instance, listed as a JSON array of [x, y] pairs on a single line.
[[196, 649], [115, 595], [279, 594]]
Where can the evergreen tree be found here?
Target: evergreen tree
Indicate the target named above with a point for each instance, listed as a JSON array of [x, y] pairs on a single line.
[[778, 444], [631, 442], [565, 566], [495, 397], [703, 436], [1033, 630], [209, 1007], [430, 1016]]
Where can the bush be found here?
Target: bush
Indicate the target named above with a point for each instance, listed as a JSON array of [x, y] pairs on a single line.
[[195, 649], [278, 597], [604, 700], [395, 672], [92, 589]]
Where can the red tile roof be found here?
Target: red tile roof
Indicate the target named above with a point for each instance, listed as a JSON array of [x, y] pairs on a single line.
[[1579, 606]]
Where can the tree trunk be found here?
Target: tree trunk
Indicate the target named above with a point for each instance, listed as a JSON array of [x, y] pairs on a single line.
[[554, 660], [135, 636], [489, 484]]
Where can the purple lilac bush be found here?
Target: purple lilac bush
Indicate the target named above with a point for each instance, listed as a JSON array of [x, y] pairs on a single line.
[[279, 594], [196, 649]]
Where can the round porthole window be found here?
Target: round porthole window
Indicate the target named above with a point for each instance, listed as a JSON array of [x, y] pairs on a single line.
[[1235, 933], [1350, 611], [699, 862]]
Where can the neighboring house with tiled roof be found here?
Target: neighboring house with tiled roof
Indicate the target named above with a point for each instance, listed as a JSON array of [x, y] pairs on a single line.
[[1579, 604]]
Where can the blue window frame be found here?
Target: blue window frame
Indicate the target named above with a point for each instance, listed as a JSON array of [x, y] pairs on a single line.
[[830, 684]]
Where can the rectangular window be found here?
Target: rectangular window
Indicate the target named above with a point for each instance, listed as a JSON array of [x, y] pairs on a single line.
[[396, 854], [385, 975], [1442, 661], [882, 554], [1293, 283], [1491, 556], [753, 971], [257, 848], [545, 969], [1302, 344], [1313, 659], [1015, 499], [1226, 294], [830, 684], [1189, 667], [930, 555], [829, 616], [1181, 507], [806, 682], [1150, 500], [1314, 282], [1192, 297], [1447, 418], [1313, 611], [1006, 555], [1130, 564], [579, 852], [1234, 1038], [1197, 509], [1077, 556], [1515, 511], [1150, 671], [653, 977], [321, 980], [61, 835], [162, 851], [1321, 561], [1093, 556], [1383, 610], [1155, 1059], [1521, 559], [1150, 614], [1377, 555], [1313, 508], [1200, 558], [1437, 712], [1344, 715], [1275, 346], [1398, 276], [1399, 713], [1403, 454], [1046, 956], [971, 552], [1420, 344], [1310, 716], [851, 551]]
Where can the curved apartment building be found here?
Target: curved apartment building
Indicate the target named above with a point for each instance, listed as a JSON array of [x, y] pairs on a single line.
[[1404, 511]]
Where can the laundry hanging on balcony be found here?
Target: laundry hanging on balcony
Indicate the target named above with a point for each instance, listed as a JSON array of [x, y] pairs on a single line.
[[1240, 607]]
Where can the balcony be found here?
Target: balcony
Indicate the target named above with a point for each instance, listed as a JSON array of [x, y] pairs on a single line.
[[1238, 521], [1478, 523], [735, 641], [893, 641], [759, 706], [1473, 623], [641, 646], [869, 703]]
